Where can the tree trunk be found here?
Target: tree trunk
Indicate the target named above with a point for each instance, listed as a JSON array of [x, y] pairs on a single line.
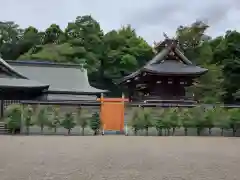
[[198, 131], [173, 131], [69, 131], [135, 132], [83, 131], [159, 132], [27, 129], [146, 131], [102, 69], [210, 131], [42, 129], [185, 131], [95, 132], [221, 131], [234, 132], [165, 132], [55, 130], [168, 132]]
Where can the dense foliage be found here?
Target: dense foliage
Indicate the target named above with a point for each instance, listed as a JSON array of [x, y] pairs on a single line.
[[198, 118], [13, 116], [68, 122], [166, 121], [95, 123], [110, 56], [21, 116]]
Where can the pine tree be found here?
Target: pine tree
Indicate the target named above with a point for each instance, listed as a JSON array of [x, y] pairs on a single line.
[[95, 123], [68, 122]]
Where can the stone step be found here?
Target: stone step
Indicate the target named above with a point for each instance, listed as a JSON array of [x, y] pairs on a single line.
[[3, 129], [113, 132]]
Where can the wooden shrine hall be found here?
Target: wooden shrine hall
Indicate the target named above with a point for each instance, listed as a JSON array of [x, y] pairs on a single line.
[[164, 79], [44, 81]]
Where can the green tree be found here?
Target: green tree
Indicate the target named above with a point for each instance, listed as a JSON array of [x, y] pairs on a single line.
[[13, 116], [124, 52], [136, 121], [234, 120], [85, 33], [197, 115], [174, 119], [30, 38], [200, 49], [168, 120], [56, 119], [10, 33], [28, 117], [158, 123], [68, 122], [81, 119], [145, 119], [53, 35], [53, 117], [95, 123], [110, 56], [191, 37], [226, 54], [186, 120], [208, 88], [210, 115], [221, 118], [42, 118]]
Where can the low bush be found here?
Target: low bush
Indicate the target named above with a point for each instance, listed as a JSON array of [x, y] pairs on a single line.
[[13, 115], [198, 117]]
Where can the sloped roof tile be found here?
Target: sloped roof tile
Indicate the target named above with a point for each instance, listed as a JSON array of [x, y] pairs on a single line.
[[60, 77], [167, 67], [22, 83], [174, 67]]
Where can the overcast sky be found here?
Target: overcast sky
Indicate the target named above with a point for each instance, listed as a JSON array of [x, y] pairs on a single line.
[[150, 18]]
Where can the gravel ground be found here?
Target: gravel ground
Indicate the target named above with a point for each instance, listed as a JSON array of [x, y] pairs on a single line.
[[119, 158]]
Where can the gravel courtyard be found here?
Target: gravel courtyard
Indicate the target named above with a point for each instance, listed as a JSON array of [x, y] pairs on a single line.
[[119, 158]]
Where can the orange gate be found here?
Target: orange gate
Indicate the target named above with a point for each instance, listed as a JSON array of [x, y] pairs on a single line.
[[112, 113]]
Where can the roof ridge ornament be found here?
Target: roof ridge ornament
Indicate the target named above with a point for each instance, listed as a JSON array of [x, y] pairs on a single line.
[[82, 64], [167, 42], [165, 35]]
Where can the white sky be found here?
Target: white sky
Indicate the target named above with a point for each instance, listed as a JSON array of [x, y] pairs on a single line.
[[150, 18]]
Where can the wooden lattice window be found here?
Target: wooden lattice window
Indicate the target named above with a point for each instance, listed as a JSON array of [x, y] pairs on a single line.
[[6, 103]]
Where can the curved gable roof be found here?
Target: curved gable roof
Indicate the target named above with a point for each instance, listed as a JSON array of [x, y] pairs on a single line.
[[17, 79], [158, 65], [21, 83], [11, 70], [174, 68], [60, 77]]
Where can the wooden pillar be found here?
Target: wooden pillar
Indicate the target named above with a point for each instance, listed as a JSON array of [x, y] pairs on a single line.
[[101, 113], [123, 109], [22, 118], [1, 109], [130, 92]]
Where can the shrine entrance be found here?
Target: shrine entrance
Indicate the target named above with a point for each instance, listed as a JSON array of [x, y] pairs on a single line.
[[112, 113]]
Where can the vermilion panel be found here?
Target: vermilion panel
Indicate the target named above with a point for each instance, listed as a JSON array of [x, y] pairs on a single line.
[[112, 113]]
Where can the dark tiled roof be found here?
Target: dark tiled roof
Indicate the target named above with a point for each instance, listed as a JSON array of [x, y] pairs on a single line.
[[69, 97], [11, 70], [22, 83], [174, 67], [60, 77], [161, 66], [42, 63]]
